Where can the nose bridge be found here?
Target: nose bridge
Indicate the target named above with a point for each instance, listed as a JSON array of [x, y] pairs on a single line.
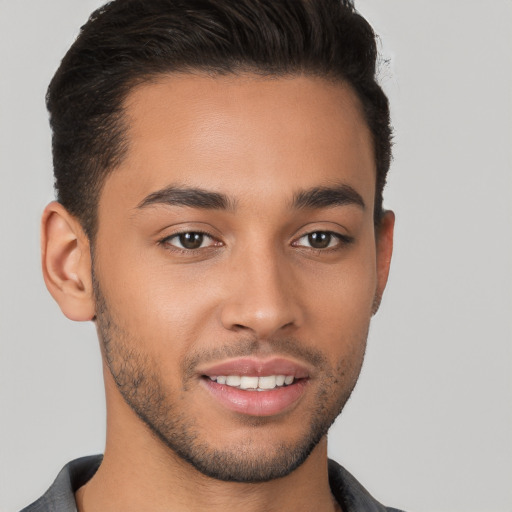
[[261, 296]]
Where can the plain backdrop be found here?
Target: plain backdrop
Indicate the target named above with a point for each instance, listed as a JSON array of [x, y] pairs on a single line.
[[429, 425]]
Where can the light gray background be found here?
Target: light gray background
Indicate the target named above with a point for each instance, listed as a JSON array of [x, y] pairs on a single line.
[[428, 427]]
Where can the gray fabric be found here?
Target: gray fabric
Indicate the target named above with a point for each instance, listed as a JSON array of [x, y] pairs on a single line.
[[350, 494], [60, 497]]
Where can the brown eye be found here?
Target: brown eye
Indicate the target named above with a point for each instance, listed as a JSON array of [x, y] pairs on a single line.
[[320, 239], [190, 240]]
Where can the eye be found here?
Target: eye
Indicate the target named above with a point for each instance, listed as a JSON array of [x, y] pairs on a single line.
[[322, 240], [190, 240]]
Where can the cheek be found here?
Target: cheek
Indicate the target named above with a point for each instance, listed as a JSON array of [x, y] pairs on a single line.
[[164, 306], [341, 309], [344, 295]]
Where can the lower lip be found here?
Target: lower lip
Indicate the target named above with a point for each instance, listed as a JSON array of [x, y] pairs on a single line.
[[257, 403]]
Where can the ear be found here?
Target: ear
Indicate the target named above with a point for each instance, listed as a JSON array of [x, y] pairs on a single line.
[[66, 262], [384, 241]]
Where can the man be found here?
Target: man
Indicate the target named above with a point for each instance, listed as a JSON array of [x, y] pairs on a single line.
[[219, 168]]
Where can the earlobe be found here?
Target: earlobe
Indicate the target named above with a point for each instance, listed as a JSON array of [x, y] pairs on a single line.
[[66, 263], [384, 241]]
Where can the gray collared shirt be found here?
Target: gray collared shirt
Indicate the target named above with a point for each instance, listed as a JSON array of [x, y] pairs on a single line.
[[60, 497]]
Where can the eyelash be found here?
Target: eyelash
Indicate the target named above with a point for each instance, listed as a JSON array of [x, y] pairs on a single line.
[[165, 242], [343, 241]]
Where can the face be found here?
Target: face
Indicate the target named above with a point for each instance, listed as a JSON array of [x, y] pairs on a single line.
[[236, 266]]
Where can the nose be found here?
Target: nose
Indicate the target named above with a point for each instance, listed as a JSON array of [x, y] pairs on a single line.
[[262, 296]]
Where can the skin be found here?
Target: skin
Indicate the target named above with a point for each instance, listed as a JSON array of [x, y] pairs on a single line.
[[255, 287]]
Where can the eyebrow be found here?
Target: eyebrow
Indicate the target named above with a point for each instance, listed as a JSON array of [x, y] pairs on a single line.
[[317, 197], [188, 196], [326, 197]]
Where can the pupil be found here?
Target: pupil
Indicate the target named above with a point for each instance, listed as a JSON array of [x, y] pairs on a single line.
[[319, 240], [191, 240]]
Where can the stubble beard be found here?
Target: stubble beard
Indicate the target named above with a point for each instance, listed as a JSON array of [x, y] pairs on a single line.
[[141, 386]]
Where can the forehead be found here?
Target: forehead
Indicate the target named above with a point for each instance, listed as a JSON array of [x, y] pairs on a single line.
[[243, 135]]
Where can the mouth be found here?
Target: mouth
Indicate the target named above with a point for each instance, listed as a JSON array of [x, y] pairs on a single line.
[[255, 387], [254, 383]]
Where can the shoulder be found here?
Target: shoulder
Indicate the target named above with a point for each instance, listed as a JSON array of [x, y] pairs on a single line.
[[350, 494], [60, 497]]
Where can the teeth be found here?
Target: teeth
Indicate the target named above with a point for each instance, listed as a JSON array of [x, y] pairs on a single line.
[[233, 380], [248, 382], [280, 380], [267, 382], [254, 383]]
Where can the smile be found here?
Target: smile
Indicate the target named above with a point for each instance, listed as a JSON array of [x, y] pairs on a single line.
[[254, 383], [255, 387]]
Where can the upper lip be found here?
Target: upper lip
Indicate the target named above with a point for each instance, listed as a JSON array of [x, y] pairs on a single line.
[[256, 367]]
